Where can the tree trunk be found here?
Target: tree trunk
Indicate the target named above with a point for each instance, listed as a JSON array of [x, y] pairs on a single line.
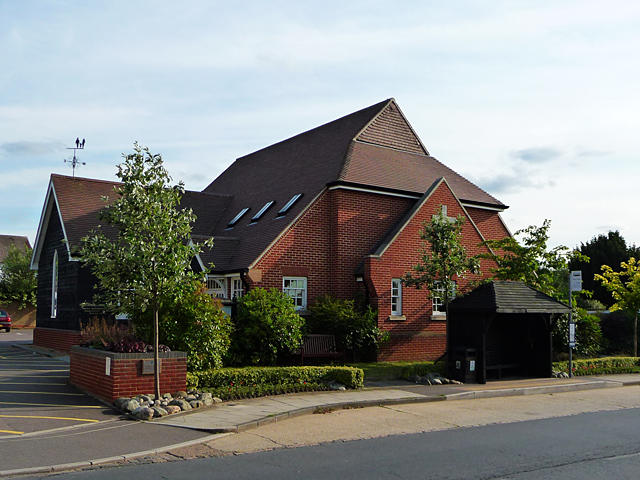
[[156, 356]]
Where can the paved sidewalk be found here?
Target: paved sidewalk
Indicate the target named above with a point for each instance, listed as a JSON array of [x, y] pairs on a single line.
[[252, 413], [85, 447]]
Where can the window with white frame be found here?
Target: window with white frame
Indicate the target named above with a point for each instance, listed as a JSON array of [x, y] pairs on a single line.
[[437, 297], [296, 288], [396, 297], [217, 287], [54, 286], [236, 288]]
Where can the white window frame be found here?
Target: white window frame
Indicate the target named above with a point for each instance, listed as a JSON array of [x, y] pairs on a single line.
[[396, 297], [237, 289], [437, 299], [296, 288], [54, 285]]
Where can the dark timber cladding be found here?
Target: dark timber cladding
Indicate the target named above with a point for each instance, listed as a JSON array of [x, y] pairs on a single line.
[[504, 327]]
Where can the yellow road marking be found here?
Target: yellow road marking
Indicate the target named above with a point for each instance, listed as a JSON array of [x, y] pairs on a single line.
[[45, 393], [11, 431], [49, 418], [50, 405]]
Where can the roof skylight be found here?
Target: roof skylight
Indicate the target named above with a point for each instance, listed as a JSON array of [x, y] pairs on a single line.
[[262, 211], [237, 218], [289, 204]]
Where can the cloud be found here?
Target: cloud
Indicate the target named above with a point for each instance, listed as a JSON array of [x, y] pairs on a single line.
[[30, 148], [536, 154]]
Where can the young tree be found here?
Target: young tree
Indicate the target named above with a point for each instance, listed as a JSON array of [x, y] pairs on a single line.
[[17, 281], [625, 288], [442, 258], [148, 265], [531, 262]]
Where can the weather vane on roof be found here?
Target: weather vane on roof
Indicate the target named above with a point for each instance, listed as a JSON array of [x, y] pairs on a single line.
[[75, 162]]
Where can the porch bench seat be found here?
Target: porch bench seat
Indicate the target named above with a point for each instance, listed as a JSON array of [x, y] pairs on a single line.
[[318, 346], [502, 360]]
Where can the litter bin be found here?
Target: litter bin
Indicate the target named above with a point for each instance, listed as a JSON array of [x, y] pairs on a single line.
[[465, 365]]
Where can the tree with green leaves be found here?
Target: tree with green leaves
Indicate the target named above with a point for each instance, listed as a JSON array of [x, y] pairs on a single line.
[[530, 261], [18, 283], [625, 288], [442, 259], [148, 264], [610, 249]]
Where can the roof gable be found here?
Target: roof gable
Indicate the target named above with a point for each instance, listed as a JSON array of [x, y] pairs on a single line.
[[391, 129]]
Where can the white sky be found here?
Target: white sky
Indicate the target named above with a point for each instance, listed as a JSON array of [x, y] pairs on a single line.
[[535, 101]]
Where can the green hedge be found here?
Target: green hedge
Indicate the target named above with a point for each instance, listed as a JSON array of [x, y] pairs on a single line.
[[422, 369], [275, 377], [599, 366]]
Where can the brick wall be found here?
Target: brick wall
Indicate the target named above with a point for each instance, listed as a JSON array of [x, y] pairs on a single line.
[[87, 371], [338, 231], [419, 336], [56, 339]]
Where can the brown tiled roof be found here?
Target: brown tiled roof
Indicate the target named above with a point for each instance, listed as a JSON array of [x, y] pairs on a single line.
[[79, 201], [7, 240], [374, 148]]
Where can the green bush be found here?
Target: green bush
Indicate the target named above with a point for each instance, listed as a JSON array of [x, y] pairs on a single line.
[[356, 331], [588, 334], [274, 377], [195, 323], [617, 332], [267, 328], [599, 366], [422, 369]]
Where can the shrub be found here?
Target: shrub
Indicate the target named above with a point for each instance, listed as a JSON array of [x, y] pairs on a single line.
[[196, 324], [588, 334], [617, 332], [356, 331], [267, 328], [233, 383], [599, 366], [99, 332]]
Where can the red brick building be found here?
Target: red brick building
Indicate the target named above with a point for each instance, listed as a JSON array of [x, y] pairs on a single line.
[[335, 210]]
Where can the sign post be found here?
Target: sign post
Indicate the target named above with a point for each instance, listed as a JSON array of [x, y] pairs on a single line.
[[575, 285]]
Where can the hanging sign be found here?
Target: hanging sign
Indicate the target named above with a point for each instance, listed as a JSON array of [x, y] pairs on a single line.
[[575, 281]]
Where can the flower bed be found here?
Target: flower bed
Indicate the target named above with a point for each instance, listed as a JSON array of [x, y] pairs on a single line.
[[600, 366]]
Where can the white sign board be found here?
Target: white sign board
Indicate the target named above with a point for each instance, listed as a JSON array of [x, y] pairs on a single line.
[[572, 335], [575, 281]]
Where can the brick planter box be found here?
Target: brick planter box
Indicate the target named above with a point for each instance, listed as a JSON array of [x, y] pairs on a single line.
[[109, 375]]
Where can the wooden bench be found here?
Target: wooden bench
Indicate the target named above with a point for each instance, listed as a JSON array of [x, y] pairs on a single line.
[[501, 360], [318, 346]]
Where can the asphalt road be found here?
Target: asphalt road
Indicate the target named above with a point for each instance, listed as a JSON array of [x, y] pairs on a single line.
[[588, 446]]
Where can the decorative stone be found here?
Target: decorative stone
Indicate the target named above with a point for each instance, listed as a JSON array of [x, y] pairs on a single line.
[[159, 412], [217, 400], [120, 401], [180, 394], [196, 403], [130, 406], [171, 409], [182, 403], [143, 413]]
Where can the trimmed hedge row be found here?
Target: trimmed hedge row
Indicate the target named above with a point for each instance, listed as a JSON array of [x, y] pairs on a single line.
[[599, 366], [275, 377]]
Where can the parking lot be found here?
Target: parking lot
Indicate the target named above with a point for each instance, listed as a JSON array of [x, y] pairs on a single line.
[[35, 395]]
